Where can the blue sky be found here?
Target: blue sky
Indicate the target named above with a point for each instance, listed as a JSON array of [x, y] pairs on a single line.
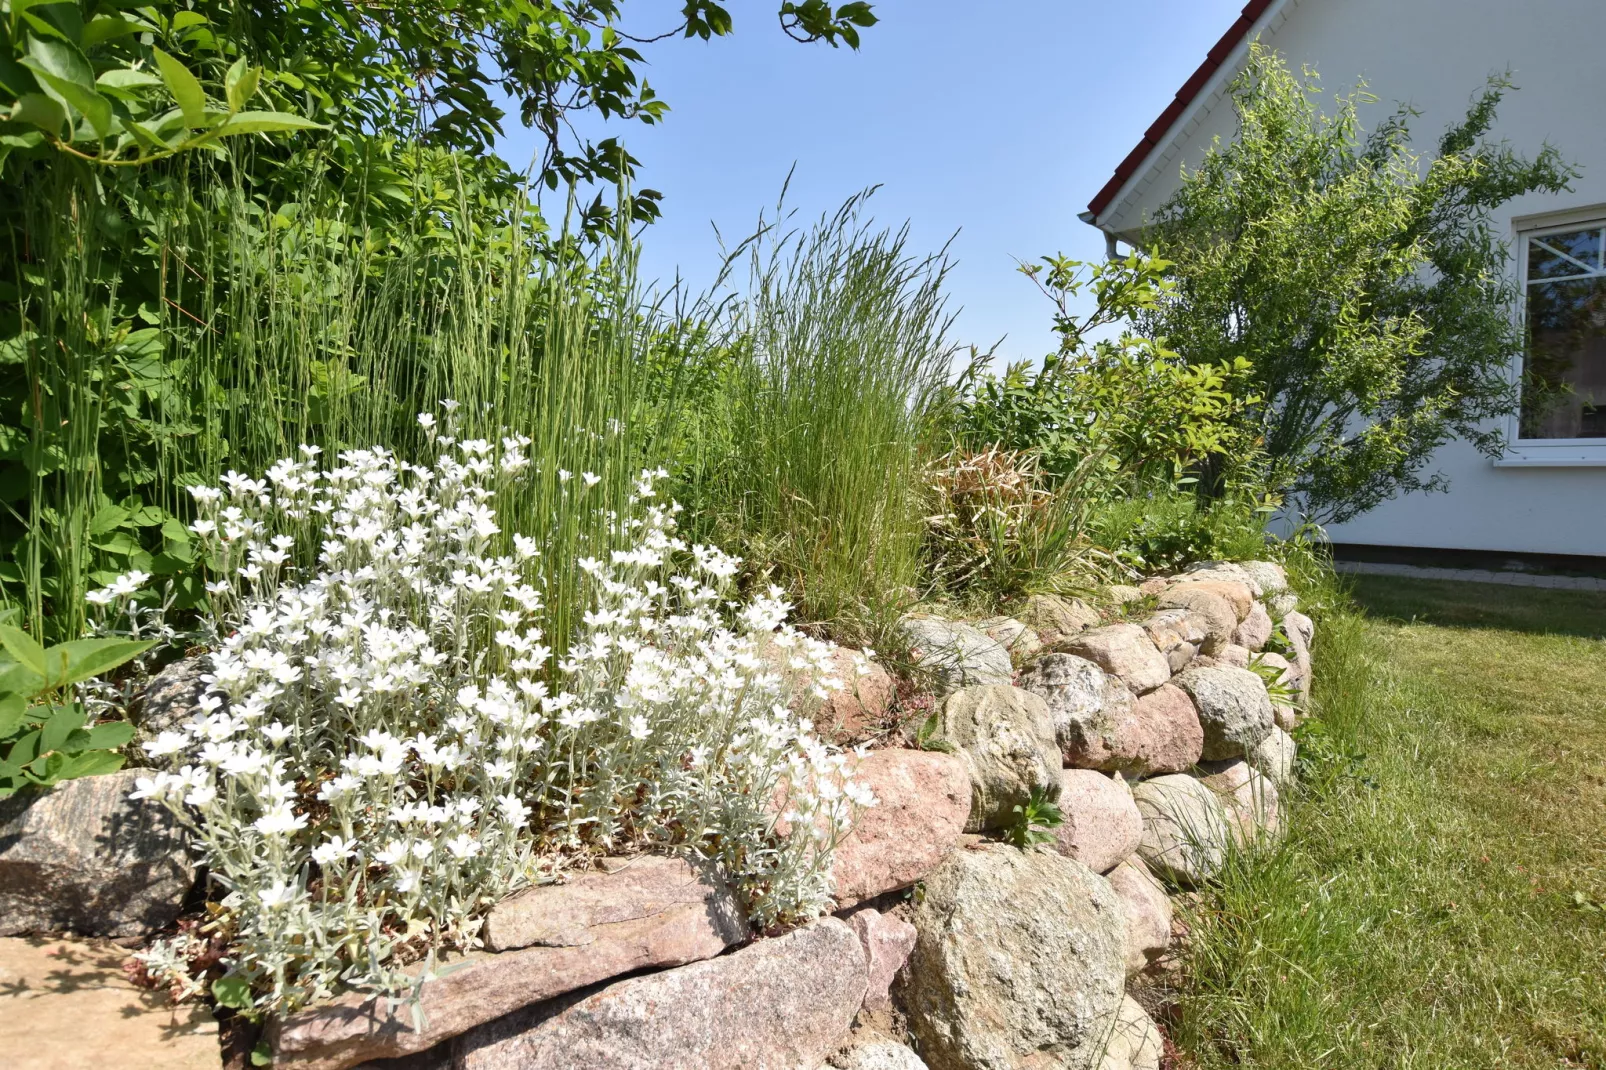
[[998, 122]]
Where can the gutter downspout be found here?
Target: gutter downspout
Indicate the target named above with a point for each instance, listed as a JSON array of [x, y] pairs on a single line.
[[1109, 239]]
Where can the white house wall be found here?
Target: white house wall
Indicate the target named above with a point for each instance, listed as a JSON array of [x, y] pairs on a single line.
[[1435, 55]]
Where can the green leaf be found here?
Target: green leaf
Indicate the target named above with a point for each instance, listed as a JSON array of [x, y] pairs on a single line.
[[25, 749], [92, 657], [20, 645], [94, 107], [266, 122], [187, 92], [110, 736], [105, 28], [21, 680], [62, 723], [262, 1054], [108, 518], [232, 991], [148, 141], [127, 78], [91, 763], [60, 59], [36, 109], [118, 542], [241, 84], [13, 714]]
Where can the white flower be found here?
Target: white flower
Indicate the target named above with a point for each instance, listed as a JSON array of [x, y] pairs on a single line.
[[167, 743], [333, 850], [280, 821], [394, 852], [463, 846], [277, 733], [591, 478], [513, 811], [339, 787], [277, 897], [639, 728]]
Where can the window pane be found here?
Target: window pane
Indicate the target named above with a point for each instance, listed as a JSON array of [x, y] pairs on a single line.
[[1567, 355], [1545, 259]]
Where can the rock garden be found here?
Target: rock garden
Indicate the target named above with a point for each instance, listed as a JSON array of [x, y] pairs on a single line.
[[1000, 899], [427, 642]]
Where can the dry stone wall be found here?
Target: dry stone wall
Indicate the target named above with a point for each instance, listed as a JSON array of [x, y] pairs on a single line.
[[1155, 734]]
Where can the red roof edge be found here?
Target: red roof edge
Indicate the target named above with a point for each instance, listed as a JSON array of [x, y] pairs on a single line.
[[1190, 89]]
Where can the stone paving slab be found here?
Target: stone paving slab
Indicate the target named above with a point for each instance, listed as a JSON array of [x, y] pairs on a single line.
[[1473, 575], [66, 1005]]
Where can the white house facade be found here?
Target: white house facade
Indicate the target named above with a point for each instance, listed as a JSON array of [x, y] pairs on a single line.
[[1547, 494]]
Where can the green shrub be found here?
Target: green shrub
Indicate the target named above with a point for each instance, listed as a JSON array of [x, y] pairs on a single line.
[[1125, 413], [1362, 280]]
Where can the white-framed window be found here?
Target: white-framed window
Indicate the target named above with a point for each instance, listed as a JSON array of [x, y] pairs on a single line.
[[1562, 419]]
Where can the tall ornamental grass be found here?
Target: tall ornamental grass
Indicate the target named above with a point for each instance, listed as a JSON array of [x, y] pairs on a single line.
[[837, 356], [298, 323]]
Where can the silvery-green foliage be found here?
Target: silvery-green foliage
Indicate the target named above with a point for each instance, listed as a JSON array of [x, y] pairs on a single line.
[[389, 743]]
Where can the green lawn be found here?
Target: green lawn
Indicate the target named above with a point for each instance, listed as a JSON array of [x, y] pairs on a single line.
[[1440, 900]]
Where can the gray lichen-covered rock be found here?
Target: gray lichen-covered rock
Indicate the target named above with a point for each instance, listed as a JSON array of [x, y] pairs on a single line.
[[1100, 725], [1124, 651], [1273, 757], [1297, 638], [1270, 578], [1006, 738], [86, 858], [1211, 613], [1020, 962], [1075, 691], [1304, 626], [778, 1004], [1148, 913], [1233, 706], [1022, 642], [1282, 604], [1101, 825], [1185, 828], [1223, 572], [1255, 629], [1056, 619], [171, 697], [958, 655], [877, 1053], [1248, 796], [1177, 634], [1134, 1041], [1122, 594]]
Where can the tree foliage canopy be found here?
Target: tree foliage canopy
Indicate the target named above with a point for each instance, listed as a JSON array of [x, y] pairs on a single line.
[[1363, 283]]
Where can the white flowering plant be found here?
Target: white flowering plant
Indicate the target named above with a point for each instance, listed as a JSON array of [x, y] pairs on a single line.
[[389, 743]]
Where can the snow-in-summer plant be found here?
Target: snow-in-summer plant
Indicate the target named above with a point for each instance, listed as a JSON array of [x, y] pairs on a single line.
[[389, 744]]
